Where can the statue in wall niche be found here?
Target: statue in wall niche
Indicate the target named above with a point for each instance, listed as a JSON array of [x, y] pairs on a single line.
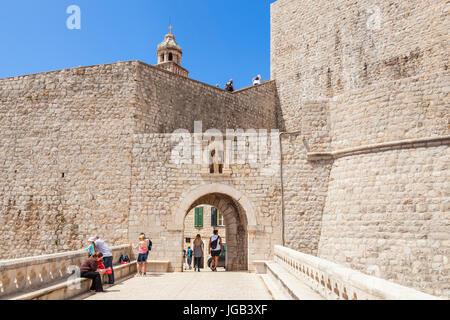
[[216, 156]]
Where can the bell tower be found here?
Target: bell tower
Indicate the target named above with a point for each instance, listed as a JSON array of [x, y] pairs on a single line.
[[169, 55]]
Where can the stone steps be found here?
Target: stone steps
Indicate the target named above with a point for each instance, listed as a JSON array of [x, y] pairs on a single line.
[[276, 292], [283, 285]]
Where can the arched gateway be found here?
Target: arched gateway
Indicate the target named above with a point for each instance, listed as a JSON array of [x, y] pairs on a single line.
[[240, 218]]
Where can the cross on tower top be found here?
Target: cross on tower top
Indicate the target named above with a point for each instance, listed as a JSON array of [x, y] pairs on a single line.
[[170, 29]]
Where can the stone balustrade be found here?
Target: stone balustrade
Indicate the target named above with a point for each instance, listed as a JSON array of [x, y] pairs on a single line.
[[23, 275], [336, 282]]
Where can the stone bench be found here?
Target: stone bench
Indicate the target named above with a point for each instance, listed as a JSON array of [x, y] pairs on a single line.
[[73, 288], [70, 289], [30, 274]]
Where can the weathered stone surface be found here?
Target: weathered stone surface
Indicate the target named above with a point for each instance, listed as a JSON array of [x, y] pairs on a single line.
[[87, 151], [351, 74]]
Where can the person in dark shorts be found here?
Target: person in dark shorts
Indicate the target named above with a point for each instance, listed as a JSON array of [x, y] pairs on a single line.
[[149, 243], [215, 246], [142, 255]]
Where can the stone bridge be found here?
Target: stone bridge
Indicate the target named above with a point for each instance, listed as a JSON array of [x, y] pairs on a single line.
[[291, 275]]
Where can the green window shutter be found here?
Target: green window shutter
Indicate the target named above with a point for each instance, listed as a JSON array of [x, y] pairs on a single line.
[[213, 217], [198, 220], [196, 217]]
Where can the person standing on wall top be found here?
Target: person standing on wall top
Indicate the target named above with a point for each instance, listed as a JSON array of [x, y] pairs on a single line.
[[215, 247], [107, 257], [257, 80], [229, 86], [199, 247]]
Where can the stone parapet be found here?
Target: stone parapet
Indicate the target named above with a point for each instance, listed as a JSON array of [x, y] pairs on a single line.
[[32, 273], [336, 282]]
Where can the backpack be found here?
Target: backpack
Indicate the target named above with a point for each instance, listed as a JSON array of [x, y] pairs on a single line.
[[124, 258], [150, 244], [214, 243]]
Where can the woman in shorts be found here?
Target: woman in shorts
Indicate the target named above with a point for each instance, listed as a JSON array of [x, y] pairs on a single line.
[[142, 255]]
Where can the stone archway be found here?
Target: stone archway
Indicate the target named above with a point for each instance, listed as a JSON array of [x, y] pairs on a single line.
[[239, 214], [236, 229]]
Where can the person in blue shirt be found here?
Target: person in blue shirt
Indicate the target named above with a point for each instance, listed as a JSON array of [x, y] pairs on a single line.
[[189, 258], [91, 247]]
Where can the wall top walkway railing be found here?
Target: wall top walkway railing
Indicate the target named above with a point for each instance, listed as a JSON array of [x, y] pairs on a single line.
[[335, 282], [31, 273]]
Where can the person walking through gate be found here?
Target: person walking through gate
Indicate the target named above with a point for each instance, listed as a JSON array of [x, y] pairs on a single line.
[[198, 252], [107, 257], [189, 257], [90, 269], [184, 259], [215, 246]]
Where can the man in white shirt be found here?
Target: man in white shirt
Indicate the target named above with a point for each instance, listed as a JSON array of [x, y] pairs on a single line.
[[215, 248], [257, 80], [101, 246]]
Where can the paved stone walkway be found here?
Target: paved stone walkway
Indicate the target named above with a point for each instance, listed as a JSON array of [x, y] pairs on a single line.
[[205, 285]]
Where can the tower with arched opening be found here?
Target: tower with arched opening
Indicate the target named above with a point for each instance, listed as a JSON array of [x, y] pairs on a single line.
[[170, 54]]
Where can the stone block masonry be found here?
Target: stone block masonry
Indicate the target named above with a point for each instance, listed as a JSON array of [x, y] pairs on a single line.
[[71, 166], [361, 93], [65, 158], [353, 75], [158, 186], [166, 102]]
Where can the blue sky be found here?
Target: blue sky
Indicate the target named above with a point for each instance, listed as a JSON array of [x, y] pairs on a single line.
[[221, 39]]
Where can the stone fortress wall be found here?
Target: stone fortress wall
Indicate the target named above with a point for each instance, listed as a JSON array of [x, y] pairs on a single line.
[[158, 187], [87, 151], [65, 148], [166, 102], [363, 73]]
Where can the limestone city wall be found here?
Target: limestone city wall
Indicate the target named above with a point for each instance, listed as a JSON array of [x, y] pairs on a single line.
[[64, 159], [166, 102], [363, 84], [158, 187], [66, 151]]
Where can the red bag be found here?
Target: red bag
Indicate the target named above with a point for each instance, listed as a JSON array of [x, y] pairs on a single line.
[[109, 271]]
